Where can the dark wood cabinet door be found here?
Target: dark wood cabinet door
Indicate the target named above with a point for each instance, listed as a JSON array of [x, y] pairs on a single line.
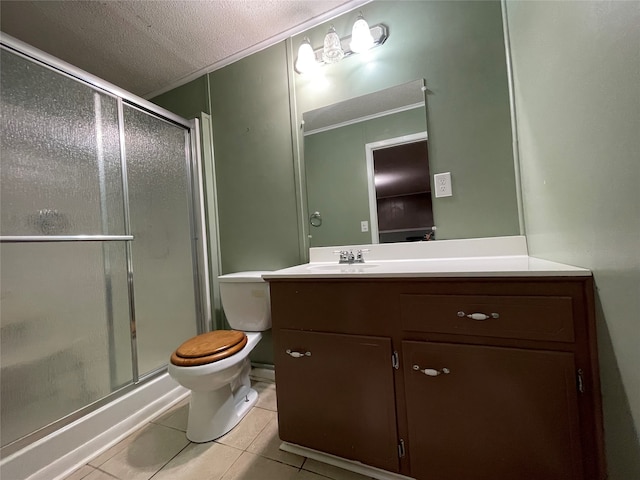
[[336, 395], [498, 414]]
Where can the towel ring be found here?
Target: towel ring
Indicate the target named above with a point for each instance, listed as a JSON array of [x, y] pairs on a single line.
[[315, 219]]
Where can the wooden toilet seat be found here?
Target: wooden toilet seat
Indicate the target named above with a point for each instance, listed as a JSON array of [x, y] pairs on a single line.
[[208, 348]]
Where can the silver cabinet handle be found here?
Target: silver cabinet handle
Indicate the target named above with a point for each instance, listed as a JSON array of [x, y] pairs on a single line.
[[298, 354], [479, 316], [432, 372]]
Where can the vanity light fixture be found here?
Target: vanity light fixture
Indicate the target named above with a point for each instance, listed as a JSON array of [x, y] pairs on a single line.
[[335, 48]]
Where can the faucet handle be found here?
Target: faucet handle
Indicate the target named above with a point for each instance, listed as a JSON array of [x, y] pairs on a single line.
[[344, 255], [359, 255]]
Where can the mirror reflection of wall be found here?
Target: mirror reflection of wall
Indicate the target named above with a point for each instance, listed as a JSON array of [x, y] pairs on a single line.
[[335, 156]]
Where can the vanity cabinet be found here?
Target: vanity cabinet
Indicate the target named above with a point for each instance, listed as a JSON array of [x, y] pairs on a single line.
[[442, 378]]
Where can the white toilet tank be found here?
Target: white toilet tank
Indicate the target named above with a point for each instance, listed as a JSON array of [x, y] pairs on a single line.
[[245, 301]]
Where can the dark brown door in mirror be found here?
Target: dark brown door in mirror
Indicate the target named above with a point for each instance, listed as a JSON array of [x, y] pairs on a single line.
[[403, 192]]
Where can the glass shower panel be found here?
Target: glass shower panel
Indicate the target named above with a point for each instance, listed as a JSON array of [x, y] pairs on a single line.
[[60, 150], [163, 269], [64, 330]]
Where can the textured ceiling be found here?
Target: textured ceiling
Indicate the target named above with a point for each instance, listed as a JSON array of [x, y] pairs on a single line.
[[147, 47]]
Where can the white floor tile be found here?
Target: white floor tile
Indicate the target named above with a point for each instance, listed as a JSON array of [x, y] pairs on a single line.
[[176, 418], [147, 453], [247, 430], [267, 444], [255, 467], [80, 473], [200, 461], [266, 395], [99, 475], [305, 475]]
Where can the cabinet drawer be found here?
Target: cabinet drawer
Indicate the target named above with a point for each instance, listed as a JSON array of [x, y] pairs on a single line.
[[330, 306], [545, 318]]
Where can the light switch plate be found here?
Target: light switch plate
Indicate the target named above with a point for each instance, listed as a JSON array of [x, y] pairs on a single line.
[[364, 226], [442, 183]]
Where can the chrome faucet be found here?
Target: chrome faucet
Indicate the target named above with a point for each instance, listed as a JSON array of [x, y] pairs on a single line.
[[348, 257]]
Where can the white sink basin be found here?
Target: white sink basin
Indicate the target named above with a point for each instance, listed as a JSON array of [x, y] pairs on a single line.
[[347, 268]]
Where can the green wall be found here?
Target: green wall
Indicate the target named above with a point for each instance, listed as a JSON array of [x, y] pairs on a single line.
[[335, 162], [577, 85], [256, 105], [254, 163], [187, 100], [458, 48]]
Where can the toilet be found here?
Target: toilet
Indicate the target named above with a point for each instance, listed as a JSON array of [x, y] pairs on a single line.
[[215, 365]]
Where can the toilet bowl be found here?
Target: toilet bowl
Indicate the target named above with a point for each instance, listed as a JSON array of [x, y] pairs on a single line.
[[215, 365]]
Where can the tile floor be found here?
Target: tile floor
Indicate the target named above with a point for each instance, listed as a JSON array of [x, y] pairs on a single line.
[[161, 451]]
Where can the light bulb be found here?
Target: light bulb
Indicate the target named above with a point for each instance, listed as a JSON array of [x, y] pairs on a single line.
[[332, 52], [306, 61], [361, 38]]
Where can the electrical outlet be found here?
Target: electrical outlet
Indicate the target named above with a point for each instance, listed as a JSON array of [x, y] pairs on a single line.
[[442, 182], [364, 226]]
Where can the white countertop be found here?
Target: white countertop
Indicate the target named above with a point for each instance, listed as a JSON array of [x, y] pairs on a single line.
[[492, 257]]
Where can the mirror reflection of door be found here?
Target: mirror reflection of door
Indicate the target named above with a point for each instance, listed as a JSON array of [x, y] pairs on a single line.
[[338, 178], [402, 189]]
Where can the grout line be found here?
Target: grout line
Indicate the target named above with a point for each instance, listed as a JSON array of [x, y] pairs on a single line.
[[258, 434], [171, 427], [106, 473], [229, 467], [163, 426], [280, 461], [226, 445], [168, 461], [232, 463], [93, 469]]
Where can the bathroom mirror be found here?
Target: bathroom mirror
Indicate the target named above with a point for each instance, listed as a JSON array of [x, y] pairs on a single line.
[[367, 172], [458, 48]]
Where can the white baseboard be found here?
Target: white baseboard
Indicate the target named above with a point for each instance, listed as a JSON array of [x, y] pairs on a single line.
[[65, 450], [350, 465]]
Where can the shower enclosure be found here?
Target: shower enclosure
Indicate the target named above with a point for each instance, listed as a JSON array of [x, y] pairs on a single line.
[[102, 266]]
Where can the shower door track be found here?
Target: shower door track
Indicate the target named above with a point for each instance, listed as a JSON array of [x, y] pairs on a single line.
[[23, 442]]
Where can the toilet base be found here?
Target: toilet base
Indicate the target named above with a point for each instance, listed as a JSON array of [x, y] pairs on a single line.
[[214, 413]]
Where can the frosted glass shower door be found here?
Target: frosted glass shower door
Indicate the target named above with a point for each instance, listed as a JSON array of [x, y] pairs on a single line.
[[64, 314], [158, 169], [55, 311], [60, 164], [99, 266]]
